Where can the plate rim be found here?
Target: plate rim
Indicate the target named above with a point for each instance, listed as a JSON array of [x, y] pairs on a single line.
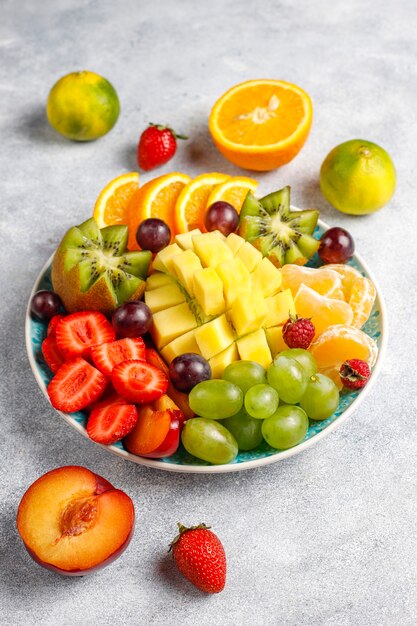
[[230, 467]]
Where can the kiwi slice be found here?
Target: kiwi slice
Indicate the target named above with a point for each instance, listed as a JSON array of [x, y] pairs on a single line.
[[282, 235], [92, 270]]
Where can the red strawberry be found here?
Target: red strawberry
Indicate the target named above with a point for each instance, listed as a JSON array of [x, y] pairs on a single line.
[[355, 373], [108, 424], [157, 145], [76, 385], [107, 355], [154, 358], [53, 324], [109, 398], [298, 332], [200, 557], [78, 332], [52, 354], [138, 381]]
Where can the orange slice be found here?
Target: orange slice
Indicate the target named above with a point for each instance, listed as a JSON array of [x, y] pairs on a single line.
[[325, 281], [233, 191], [112, 204], [348, 275], [192, 202], [157, 198], [341, 342], [261, 124], [324, 312], [362, 298]]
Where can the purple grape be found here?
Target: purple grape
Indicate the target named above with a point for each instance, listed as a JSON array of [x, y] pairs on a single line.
[[187, 370], [222, 216], [336, 245], [45, 304], [153, 234], [132, 319]]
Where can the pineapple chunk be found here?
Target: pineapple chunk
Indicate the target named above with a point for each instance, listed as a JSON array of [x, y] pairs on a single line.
[[267, 278], [254, 347], [185, 240], [250, 256], [235, 242], [163, 260], [280, 306], [248, 313], [222, 360], [157, 280], [184, 266], [235, 278], [164, 297], [214, 337], [211, 249], [180, 345], [275, 340], [218, 234], [169, 324], [208, 290]]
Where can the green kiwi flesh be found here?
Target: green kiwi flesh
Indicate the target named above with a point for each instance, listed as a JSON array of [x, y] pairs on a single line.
[[90, 258], [282, 235]]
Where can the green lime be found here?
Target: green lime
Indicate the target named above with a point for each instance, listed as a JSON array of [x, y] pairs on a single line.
[[358, 177], [82, 106]]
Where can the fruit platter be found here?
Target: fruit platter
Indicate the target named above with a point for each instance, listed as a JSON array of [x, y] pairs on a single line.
[[203, 329]]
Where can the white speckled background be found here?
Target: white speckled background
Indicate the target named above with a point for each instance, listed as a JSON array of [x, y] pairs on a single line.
[[328, 537]]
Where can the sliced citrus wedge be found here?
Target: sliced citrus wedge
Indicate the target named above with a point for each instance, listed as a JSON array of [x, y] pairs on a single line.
[[323, 280], [362, 298], [157, 198], [324, 312], [348, 275], [341, 342], [112, 204], [233, 191], [192, 202], [261, 124]]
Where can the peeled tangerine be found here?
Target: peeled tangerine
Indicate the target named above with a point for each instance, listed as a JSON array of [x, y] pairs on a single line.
[[323, 311], [326, 282], [339, 343]]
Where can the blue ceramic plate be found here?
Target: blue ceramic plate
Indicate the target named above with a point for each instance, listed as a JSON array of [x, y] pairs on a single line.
[[376, 327]]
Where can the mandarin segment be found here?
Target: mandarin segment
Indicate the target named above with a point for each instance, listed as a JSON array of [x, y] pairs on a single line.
[[324, 312], [340, 343], [325, 281], [362, 298]]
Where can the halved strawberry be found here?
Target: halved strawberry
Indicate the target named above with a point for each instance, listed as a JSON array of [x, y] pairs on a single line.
[[53, 324], [78, 332], [76, 385], [52, 354], [108, 398], [108, 424], [108, 355], [138, 381], [154, 358]]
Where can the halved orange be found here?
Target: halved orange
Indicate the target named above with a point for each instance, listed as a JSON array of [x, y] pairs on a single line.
[[157, 198], [362, 298], [112, 204], [324, 312], [233, 191], [261, 124], [191, 205], [341, 342], [325, 281]]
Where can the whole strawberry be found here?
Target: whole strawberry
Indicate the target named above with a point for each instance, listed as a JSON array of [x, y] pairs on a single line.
[[355, 373], [298, 332], [200, 557], [157, 145]]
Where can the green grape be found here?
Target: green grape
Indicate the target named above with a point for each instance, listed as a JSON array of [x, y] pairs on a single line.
[[245, 429], [286, 427], [261, 401], [245, 374], [288, 377], [208, 440], [215, 399], [321, 397], [304, 358]]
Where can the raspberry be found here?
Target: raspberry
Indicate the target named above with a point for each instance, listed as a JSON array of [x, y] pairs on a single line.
[[298, 332], [355, 373]]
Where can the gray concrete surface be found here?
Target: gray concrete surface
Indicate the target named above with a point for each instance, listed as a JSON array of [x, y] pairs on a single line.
[[328, 537]]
